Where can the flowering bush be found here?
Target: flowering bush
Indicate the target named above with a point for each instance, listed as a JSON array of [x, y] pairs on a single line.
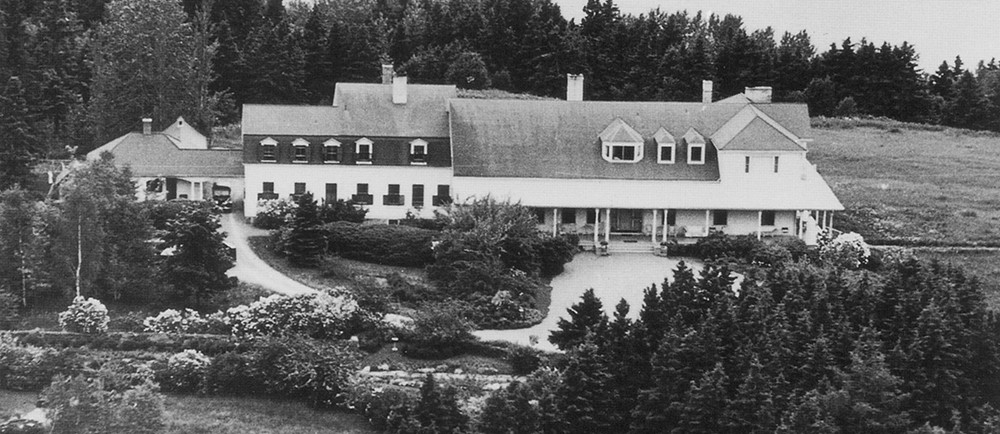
[[315, 315], [274, 213], [27, 367], [85, 315], [172, 321], [847, 250], [185, 371]]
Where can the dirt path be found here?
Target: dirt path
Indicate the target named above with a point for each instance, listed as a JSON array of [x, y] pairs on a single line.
[[249, 267], [621, 275]]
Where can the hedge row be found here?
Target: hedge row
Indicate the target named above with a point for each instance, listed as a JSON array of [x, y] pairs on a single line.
[[154, 342], [381, 244]]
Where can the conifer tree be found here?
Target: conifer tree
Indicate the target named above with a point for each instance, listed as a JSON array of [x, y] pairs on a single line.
[[703, 410], [752, 409], [586, 317], [18, 145], [585, 395], [437, 410], [305, 243]]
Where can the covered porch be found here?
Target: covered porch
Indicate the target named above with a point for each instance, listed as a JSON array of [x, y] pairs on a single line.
[[643, 230]]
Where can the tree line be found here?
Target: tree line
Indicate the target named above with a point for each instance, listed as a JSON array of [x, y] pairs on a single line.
[[78, 73]]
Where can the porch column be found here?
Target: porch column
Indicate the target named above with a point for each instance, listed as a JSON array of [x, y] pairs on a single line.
[[760, 220], [706, 221], [823, 225], [831, 219], [665, 225], [555, 221], [653, 239], [597, 226], [607, 224]]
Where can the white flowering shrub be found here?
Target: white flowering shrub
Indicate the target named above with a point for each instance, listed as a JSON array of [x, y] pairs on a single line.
[[85, 315], [185, 371], [174, 321], [274, 213], [847, 250], [316, 315]]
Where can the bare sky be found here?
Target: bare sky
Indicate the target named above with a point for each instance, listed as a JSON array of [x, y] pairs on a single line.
[[939, 29]]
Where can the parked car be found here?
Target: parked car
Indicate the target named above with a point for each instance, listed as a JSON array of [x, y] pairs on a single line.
[[222, 197]]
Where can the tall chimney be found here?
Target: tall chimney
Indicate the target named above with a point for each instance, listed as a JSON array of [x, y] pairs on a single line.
[[574, 87], [759, 94], [706, 91], [147, 126], [399, 90], [387, 73]]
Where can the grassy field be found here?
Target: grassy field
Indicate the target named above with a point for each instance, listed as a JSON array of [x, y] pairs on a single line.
[[909, 181], [920, 183], [228, 415]]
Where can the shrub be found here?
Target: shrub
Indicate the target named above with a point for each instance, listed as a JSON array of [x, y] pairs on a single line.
[[82, 405], [27, 367], [376, 401], [9, 304], [295, 367], [85, 315], [555, 252], [273, 213], [342, 211], [184, 371], [229, 374], [439, 332], [524, 360], [382, 244], [173, 321], [22, 426], [130, 322], [315, 315], [847, 250]]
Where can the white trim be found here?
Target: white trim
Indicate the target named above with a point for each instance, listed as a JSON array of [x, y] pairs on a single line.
[[269, 142], [300, 142], [297, 144], [699, 146], [331, 143], [364, 141], [413, 147]]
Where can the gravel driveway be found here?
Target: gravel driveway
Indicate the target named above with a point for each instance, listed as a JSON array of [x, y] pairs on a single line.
[[621, 275], [249, 267]]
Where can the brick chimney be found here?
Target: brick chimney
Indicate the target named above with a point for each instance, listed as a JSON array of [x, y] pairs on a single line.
[[706, 91], [574, 87], [759, 94], [147, 126], [387, 73], [399, 90]]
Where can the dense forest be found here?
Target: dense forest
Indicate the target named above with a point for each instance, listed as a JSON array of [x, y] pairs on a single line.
[[77, 73]]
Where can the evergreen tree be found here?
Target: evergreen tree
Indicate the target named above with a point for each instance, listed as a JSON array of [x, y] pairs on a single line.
[[197, 269], [437, 410], [18, 145], [586, 318], [752, 409], [585, 397], [705, 404], [305, 243]]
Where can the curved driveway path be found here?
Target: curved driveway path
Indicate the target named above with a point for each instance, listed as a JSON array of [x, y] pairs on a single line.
[[621, 275], [249, 267]]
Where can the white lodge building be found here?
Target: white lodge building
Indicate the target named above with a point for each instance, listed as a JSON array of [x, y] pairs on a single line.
[[605, 170]]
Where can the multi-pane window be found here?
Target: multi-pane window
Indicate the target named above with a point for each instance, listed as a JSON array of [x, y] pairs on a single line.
[[268, 150], [776, 164], [418, 195], [568, 216], [267, 191], [591, 216], [767, 218], [362, 197], [331, 151], [746, 164], [623, 152], [362, 188], [393, 198], [666, 153], [363, 151], [267, 187], [539, 215], [443, 196], [300, 188], [671, 217]]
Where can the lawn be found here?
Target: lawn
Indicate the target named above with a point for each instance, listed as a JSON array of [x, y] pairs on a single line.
[[909, 181], [228, 415]]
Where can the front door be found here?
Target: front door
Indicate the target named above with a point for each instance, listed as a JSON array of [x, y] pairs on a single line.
[[626, 220]]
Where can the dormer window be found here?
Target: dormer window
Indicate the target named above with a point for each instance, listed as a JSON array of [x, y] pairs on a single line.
[[418, 152], [363, 151], [268, 150], [695, 147], [301, 147], [331, 151], [666, 148], [620, 143]]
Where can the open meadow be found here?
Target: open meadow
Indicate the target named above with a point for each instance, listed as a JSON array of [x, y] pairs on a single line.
[[917, 185]]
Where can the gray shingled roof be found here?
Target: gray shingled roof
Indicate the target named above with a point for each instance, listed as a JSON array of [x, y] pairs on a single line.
[[158, 155], [559, 139], [360, 109], [758, 135]]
